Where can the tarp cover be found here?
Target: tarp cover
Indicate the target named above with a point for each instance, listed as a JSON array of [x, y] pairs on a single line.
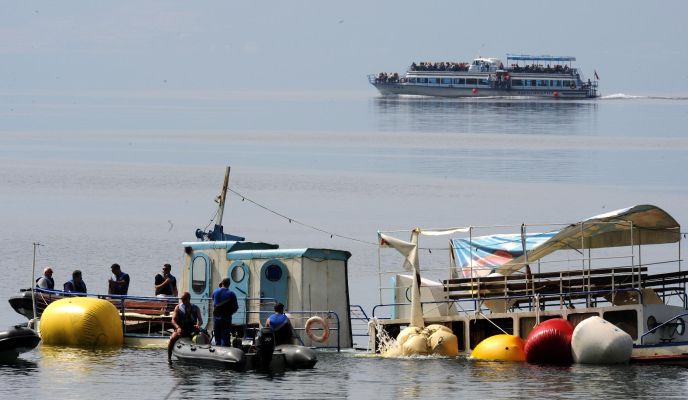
[[637, 225]]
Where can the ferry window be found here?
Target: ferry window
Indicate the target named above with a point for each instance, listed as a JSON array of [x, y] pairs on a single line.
[[542, 82], [557, 83], [516, 82], [198, 274], [433, 80], [483, 82], [446, 81], [423, 80], [533, 82], [471, 81], [551, 83], [413, 80], [626, 320]]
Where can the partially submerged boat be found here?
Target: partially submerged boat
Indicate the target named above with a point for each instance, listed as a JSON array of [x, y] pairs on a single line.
[[310, 282], [542, 76], [615, 266]]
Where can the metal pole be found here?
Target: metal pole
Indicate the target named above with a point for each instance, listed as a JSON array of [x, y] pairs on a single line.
[[33, 284]]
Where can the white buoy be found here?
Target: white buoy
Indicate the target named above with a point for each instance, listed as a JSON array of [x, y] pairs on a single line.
[[596, 341]]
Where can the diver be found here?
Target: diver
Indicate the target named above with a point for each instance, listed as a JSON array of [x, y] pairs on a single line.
[[280, 325], [187, 321]]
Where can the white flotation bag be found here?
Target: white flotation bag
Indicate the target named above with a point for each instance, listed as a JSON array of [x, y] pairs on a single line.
[[596, 341]]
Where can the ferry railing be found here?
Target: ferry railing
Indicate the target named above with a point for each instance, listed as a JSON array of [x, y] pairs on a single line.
[[667, 323]]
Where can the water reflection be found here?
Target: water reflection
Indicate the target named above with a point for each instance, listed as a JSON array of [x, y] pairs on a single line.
[[485, 115]]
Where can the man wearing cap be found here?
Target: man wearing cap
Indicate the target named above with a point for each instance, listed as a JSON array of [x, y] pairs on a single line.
[[225, 304]]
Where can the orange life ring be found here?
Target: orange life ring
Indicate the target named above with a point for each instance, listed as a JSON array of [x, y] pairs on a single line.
[[309, 329]]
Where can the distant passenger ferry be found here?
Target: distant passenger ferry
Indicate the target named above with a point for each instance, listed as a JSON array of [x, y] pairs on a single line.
[[524, 75]]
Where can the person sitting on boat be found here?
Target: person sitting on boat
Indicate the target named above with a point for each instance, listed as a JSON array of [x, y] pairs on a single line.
[[280, 325], [166, 284], [46, 281], [119, 281], [76, 284], [225, 304], [187, 321]]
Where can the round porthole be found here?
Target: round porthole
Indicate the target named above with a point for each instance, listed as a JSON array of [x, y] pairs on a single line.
[[238, 273], [651, 322], [273, 273]]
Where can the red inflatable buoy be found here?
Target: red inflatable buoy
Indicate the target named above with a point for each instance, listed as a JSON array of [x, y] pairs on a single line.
[[474, 91], [555, 94], [550, 343]]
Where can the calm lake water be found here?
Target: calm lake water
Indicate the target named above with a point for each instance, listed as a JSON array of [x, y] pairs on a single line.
[[104, 178]]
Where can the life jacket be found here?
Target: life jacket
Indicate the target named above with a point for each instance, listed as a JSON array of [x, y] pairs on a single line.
[[71, 286], [277, 321], [281, 327], [187, 318], [51, 281]]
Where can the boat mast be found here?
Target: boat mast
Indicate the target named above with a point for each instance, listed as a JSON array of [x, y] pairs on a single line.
[[221, 198]]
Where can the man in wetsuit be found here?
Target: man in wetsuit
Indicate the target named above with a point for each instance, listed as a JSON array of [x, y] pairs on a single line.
[[225, 304], [280, 325], [186, 319]]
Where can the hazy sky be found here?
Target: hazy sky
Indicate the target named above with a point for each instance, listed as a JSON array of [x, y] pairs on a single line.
[[50, 47]]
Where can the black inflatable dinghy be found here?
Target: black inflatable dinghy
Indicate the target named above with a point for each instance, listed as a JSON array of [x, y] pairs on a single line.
[[18, 339]]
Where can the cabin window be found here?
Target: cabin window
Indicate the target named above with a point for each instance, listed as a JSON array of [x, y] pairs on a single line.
[[626, 320], [526, 324], [446, 81], [459, 329], [433, 80], [483, 82], [482, 329], [238, 273], [576, 318], [423, 80], [471, 81], [551, 83], [557, 83], [533, 82], [412, 80], [273, 273], [516, 82], [198, 274], [543, 82]]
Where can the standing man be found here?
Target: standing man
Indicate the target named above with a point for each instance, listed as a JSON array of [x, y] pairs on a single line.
[[76, 285], [225, 304], [186, 319], [166, 284], [46, 281], [119, 281]]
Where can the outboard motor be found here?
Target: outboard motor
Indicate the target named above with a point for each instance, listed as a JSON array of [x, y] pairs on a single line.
[[265, 346]]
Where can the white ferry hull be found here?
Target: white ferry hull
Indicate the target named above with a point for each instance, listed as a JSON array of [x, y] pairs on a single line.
[[390, 89]]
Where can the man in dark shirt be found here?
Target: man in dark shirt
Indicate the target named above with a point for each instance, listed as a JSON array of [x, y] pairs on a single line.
[[76, 285], [119, 281], [166, 284]]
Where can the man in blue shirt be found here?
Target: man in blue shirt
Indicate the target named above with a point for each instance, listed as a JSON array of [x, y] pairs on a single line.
[[225, 304], [166, 284]]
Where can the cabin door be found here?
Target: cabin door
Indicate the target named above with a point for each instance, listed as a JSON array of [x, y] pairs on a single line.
[[273, 287], [238, 283], [199, 276]]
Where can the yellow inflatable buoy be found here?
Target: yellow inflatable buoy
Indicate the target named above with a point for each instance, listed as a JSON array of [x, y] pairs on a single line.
[[81, 321], [500, 348]]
